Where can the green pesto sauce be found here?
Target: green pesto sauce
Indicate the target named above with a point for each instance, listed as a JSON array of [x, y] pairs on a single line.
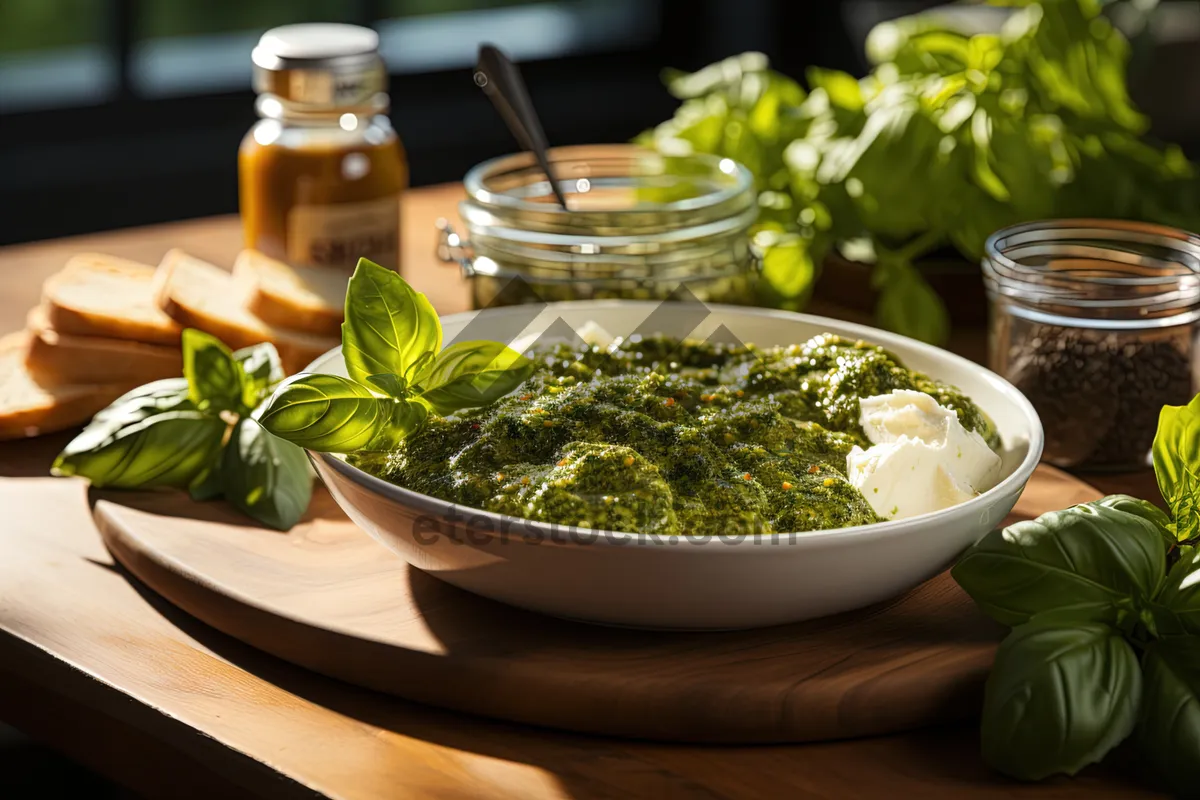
[[668, 437]]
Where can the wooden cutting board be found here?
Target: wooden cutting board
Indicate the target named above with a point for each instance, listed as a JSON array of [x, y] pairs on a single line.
[[329, 598]]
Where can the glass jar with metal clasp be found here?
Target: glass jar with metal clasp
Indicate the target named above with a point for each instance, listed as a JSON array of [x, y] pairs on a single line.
[[638, 225]]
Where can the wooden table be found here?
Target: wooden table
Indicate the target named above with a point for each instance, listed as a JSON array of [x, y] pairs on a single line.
[[96, 665]]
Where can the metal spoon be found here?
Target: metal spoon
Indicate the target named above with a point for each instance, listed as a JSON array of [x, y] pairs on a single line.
[[501, 82]]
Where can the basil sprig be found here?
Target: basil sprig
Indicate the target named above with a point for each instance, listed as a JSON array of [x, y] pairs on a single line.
[[232, 427], [399, 373], [177, 433], [1105, 600]]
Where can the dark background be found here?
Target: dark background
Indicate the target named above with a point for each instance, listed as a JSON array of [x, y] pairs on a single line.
[[126, 112]]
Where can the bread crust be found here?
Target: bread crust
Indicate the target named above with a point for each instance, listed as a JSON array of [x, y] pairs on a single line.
[[296, 349], [55, 358], [266, 300], [67, 315], [29, 409]]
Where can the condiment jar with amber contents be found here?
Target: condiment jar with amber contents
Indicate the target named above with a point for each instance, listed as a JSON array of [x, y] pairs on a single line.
[[321, 173]]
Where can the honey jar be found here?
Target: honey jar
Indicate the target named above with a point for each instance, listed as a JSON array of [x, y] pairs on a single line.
[[321, 173]]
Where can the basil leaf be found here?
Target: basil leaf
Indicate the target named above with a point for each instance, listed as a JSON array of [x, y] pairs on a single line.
[[326, 413], [390, 384], [473, 374], [167, 449], [1141, 508], [388, 326], [788, 273], [266, 477], [1092, 559], [208, 485], [1169, 727], [1058, 699], [169, 394], [420, 367], [909, 306], [214, 378], [261, 369], [1177, 606], [1176, 454], [405, 417]]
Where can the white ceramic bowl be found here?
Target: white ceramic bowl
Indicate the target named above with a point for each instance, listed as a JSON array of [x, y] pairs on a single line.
[[686, 582]]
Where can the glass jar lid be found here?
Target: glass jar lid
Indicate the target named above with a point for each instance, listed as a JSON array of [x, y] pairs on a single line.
[[1114, 273]]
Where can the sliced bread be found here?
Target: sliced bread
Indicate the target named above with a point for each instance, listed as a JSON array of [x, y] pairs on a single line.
[[309, 299], [55, 358], [28, 408], [101, 295], [197, 294]]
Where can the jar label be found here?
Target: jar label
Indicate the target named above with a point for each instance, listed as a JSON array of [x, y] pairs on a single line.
[[339, 234]]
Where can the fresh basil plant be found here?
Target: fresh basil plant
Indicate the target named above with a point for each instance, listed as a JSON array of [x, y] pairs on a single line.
[[953, 135], [399, 373], [1105, 600], [197, 432]]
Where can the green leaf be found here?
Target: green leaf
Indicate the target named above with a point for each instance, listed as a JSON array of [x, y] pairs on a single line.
[[1094, 560], [390, 384], [1058, 698], [1176, 454], [473, 374], [406, 417], [908, 305], [1169, 728], [1141, 508], [261, 370], [266, 477], [388, 326], [420, 367], [214, 378], [788, 273], [208, 485], [165, 449], [1177, 605], [169, 394], [719, 75], [326, 413], [841, 87]]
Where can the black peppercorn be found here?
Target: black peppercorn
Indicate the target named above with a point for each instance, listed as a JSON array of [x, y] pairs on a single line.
[[1098, 392]]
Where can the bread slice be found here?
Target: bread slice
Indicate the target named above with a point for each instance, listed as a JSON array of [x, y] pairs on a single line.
[[197, 294], [54, 358], [309, 299], [101, 295], [28, 408]]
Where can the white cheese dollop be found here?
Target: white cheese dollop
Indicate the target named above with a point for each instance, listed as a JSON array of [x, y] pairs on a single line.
[[921, 458]]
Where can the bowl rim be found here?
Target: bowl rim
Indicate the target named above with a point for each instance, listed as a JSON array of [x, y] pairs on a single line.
[[534, 532]]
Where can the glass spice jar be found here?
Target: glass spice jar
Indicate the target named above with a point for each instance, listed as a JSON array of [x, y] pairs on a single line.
[[638, 225], [320, 175], [1095, 321]]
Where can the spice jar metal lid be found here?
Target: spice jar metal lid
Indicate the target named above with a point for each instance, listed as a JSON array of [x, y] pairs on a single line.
[[321, 66]]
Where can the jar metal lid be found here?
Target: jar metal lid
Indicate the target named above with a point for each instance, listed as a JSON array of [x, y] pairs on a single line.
[[317, 66]]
